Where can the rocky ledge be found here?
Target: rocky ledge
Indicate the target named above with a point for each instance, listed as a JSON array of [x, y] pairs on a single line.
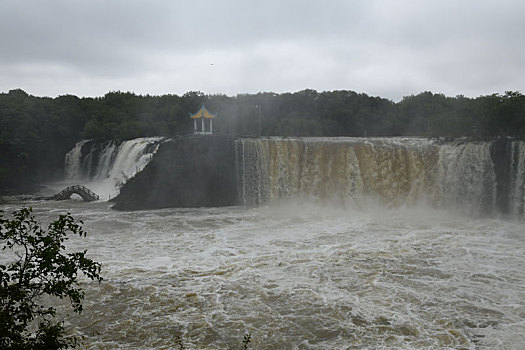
[[193, 171]]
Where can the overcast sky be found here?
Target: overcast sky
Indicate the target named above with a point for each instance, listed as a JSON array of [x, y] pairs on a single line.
[[387, 48]]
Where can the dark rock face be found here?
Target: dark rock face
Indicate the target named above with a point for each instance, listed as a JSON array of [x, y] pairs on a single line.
[[186, 172]]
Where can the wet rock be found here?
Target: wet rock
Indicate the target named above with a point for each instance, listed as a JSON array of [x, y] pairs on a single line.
[[186, 172]]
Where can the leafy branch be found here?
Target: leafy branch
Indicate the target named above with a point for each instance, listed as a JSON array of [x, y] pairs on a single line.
[[41, 267]]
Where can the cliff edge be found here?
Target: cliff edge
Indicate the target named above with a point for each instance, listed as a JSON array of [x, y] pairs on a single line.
[[193, 171]]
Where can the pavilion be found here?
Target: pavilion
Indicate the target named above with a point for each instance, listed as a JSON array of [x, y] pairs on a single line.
[[203, 114]]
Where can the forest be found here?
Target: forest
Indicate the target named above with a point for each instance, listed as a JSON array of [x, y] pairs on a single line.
[[36, 132]]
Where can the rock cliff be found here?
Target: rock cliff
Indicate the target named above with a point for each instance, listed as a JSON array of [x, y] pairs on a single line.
[[194, 171]]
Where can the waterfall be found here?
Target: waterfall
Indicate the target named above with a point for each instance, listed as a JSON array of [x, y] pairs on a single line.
[[468, 176], [105, 167], [517, 198], [131, 157], [396, 170], [73, 161], [106, 159], [478, 178]]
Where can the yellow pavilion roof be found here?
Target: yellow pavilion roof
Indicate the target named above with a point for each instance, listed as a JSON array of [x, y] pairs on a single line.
[[203, 113]]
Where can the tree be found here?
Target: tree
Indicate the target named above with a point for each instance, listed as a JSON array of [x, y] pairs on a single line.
[[39, 267]]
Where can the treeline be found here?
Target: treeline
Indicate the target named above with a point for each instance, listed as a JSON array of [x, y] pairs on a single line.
[[36, 132]]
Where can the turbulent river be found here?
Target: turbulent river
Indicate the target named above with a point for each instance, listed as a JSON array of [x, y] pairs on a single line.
[[298, 276], [396, 243]]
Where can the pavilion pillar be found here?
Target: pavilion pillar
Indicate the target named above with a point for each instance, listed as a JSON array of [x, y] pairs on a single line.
[[203, 126]]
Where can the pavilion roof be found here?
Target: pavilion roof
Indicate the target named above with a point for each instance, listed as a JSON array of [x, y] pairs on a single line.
[[203, 113]]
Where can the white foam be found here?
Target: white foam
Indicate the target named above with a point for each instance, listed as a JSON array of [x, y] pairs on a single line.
[[114, 166], [295, 273]]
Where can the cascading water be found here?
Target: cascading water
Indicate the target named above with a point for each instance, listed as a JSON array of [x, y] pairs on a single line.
[[73, 161], [131, 157], [105, 167], [303, 275], [476, 177], [395, 171], [105, 161], [467, 178], [517, 174]]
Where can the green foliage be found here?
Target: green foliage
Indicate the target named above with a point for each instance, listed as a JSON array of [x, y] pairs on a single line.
[[246, 340], [45, 129], [40, 267]]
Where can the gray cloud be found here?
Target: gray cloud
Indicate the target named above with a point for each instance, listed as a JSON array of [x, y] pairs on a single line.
[[381, 47]]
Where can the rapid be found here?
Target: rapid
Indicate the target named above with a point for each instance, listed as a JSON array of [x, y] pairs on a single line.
[[299, 276], [395, 244]]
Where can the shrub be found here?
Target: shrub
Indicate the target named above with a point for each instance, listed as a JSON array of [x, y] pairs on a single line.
[[40, 266]]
